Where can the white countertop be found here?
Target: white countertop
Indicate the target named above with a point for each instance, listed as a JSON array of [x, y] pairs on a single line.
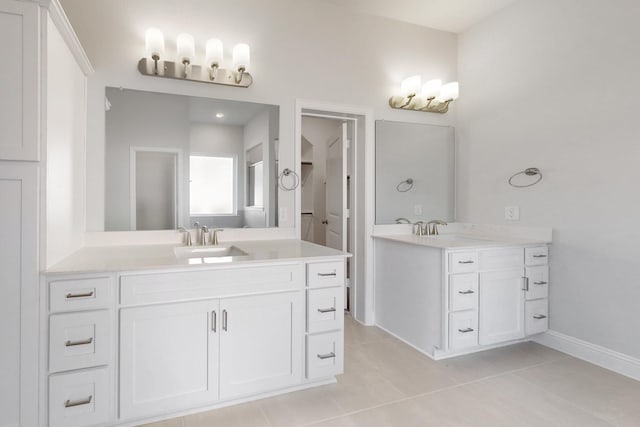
[[462, 241], [127, 258]]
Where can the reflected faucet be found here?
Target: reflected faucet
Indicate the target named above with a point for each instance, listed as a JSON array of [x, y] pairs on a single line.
[[418, 228], [402, 221], [433, 231], [204, 231]]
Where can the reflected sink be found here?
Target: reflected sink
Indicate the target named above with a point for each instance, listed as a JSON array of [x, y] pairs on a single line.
[[207, 251]]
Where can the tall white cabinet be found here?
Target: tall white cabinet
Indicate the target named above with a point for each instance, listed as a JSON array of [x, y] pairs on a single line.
[[26, 28]]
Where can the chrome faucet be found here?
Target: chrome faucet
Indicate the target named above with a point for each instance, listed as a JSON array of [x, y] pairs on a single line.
[[433, 231], [204, 231], [187, 236], [214, 236], [418, 228]]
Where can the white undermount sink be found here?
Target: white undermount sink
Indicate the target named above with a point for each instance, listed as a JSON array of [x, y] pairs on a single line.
[[207, 251]]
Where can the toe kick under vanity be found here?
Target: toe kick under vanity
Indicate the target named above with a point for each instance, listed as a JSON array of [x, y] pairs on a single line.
[[454, 294], [136, 334]]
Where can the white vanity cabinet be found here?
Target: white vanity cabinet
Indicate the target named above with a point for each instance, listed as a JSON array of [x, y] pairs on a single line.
[[446, 302]]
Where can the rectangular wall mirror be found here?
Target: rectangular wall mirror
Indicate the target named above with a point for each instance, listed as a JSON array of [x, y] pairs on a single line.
[[174, 160], [415, 172]]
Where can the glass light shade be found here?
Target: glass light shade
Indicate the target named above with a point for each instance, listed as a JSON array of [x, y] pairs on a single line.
[[431, 89], [186, 47], [410, 85], [154, 43], [214, 52], [449, 92], [241, 56]]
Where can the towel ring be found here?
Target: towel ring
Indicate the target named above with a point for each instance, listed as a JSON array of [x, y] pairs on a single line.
[[409, 182], [288, 172], [527, 172]]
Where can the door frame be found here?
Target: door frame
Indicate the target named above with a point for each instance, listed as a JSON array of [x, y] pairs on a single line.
[[361, 214], [134, 150]]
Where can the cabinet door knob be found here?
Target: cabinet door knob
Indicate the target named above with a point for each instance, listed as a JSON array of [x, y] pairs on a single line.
[[70, 343]]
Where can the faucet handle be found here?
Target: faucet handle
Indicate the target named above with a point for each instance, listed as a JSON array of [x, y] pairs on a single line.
[[187, 236], [214, 235]]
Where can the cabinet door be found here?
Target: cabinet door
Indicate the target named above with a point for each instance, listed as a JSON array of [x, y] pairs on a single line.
[[19, 80], [260, 343], [168, 357], [501, 306]]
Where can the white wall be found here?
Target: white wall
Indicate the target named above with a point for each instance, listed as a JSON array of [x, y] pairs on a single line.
[[300, 50], [66, 153], [555, 84]]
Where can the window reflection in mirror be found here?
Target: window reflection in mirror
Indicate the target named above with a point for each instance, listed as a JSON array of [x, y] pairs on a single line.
[[224, 154]]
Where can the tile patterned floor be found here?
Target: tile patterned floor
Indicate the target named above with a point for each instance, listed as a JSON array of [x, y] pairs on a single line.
[[387, 383]]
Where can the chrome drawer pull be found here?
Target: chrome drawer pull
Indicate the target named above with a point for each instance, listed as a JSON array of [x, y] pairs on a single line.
[[333, 274], [540, 256], [214, 320], [466, 292], [466, 262], [70, 404], [85, 295], [465, 330], [327, 310], [224, 320], [526, 283], [70, 343], [539, 316], [327, 356], [539, 283]]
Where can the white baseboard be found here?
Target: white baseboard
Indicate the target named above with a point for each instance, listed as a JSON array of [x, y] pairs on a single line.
[[592, 353]]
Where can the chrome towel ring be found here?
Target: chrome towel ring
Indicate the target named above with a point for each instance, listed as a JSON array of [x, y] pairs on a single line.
[[526, 172], [288, 172], [409, 185]]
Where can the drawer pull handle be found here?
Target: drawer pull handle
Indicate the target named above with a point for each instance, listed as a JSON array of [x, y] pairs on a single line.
[[539, 283], [539, 316], [327, 310], [525, 283], [466, 262], [332, 274], [466, 292], [85, 295], [540, 256], [70, 404], [466, 330], [224, 320], [327, 356], [214, 320], [70, 343]]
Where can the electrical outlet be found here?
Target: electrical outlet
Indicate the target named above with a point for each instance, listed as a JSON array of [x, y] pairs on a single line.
[[284, 215], [512, 213], [417, 210]]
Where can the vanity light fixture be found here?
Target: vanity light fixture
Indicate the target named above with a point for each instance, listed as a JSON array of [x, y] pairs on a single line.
[[432, 97], [219, 115], [154, 64]]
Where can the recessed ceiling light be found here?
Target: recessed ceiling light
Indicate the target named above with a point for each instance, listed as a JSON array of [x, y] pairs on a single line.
[[219, 115]]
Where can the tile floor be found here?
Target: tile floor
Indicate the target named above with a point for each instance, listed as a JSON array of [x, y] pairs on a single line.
[[387, 383]]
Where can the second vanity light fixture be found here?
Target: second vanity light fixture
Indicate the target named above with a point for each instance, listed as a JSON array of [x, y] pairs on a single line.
[[432, 97], [154, 63]]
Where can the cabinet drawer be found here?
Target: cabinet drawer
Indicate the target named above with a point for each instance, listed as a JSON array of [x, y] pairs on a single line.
[[536, 316], [536, 256], [463, 292], [79, 398], [80, 294], [463, 262], [501, 258], [538, 282], [325, 274], [463, 329], [226, 282], [79, 340], [325, 309], [325, 354]]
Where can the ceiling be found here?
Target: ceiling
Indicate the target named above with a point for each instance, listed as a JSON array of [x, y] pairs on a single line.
[[203, 110], [448, 15]]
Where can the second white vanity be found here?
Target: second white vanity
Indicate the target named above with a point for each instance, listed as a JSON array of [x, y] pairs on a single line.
[[137, 333], [454, 294]]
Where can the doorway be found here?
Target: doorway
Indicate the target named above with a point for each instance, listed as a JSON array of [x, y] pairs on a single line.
[[334, 152]]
